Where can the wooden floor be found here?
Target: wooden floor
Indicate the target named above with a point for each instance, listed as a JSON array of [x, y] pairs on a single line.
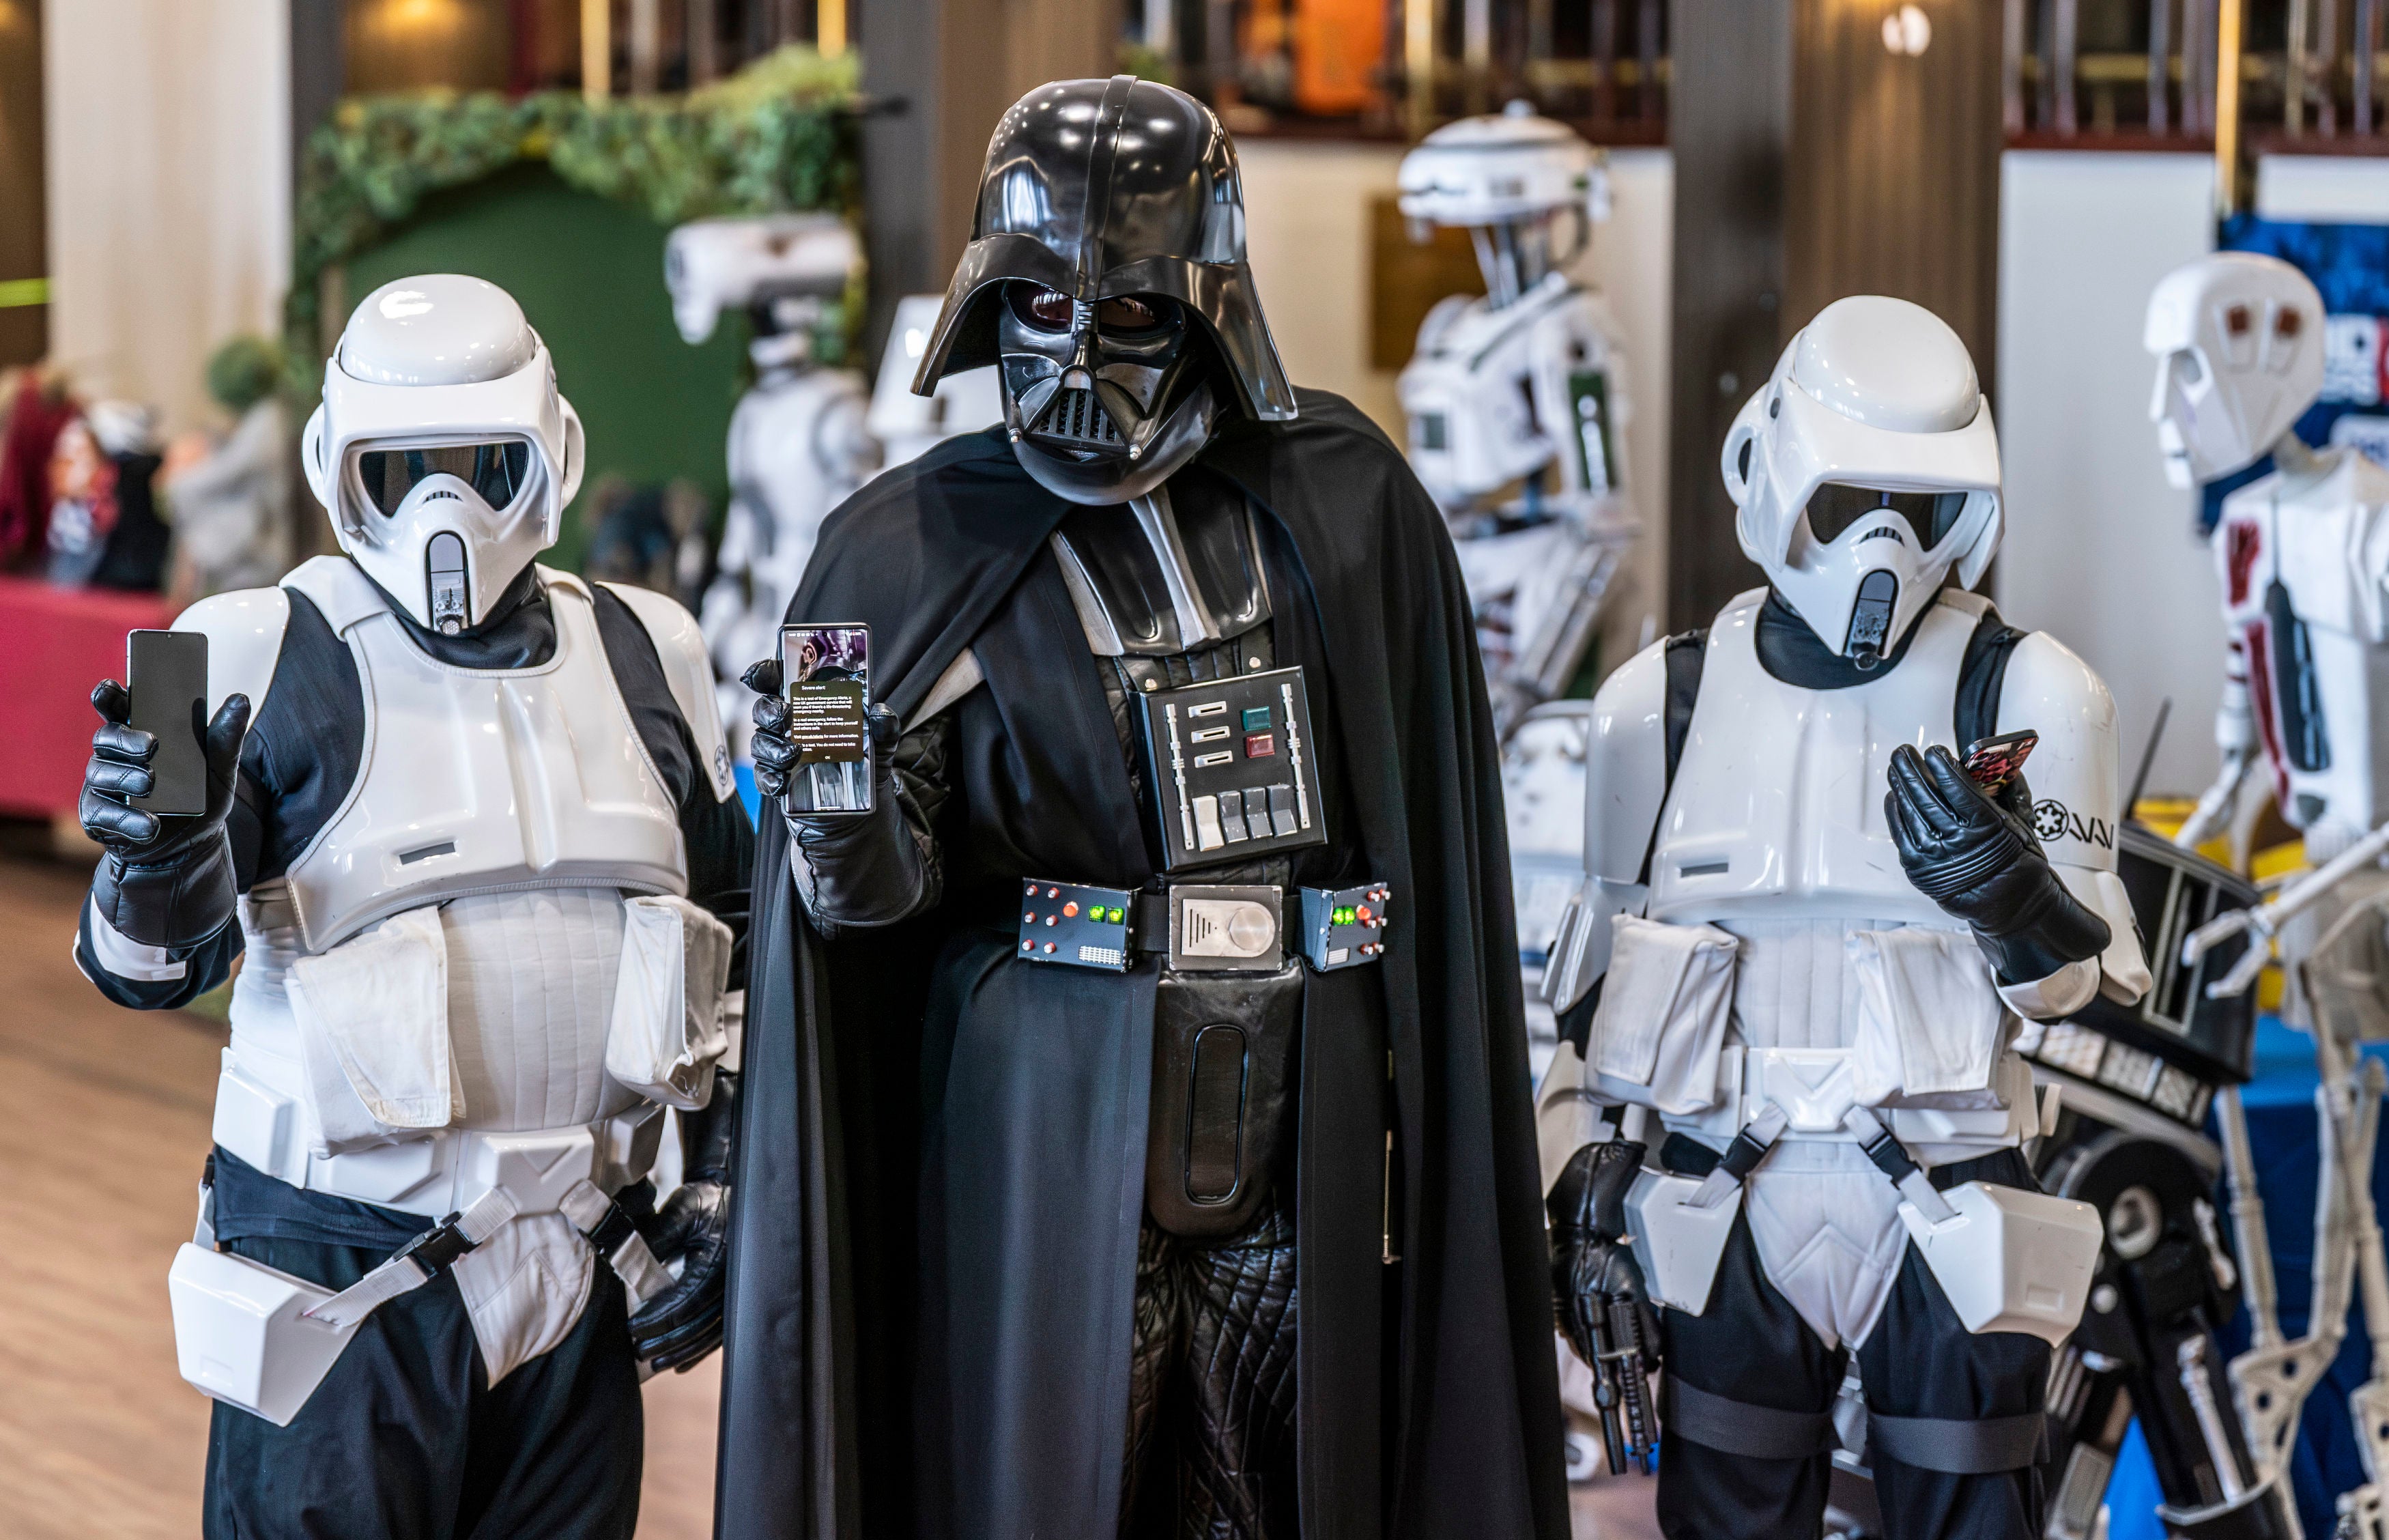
[[101, 1138]]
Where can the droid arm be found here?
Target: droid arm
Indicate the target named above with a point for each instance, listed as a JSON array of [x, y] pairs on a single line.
[[2235, 737]]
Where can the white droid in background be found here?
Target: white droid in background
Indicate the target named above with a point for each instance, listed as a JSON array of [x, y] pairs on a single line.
[[2302, 556], [447, 467], [798, 445], [1516, 399], [908, 426]]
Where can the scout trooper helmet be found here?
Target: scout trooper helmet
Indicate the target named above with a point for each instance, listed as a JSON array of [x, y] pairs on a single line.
[[1107, 278], [442, 449], [1864, 469], [2238, 339]]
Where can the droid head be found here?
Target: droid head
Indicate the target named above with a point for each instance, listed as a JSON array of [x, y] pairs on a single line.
[[442, 449], [2238, 339], [1106, 276], [1864, 470], [1519, 182]]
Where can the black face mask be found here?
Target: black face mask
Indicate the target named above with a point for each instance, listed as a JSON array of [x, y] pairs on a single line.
[[1104, 401]]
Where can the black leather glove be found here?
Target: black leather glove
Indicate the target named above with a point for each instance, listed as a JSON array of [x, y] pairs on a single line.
[[1979, 860], [1604, 1310], [678, 1326], [165, 881], [862, 869]]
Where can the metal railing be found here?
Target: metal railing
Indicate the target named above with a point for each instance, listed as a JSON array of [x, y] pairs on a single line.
[[2133, 68], [1599, 65]]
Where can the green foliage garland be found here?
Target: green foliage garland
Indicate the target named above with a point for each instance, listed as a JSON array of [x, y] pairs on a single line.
[[774, 137]]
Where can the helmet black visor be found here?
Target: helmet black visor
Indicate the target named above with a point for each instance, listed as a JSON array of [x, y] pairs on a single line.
[[1835, 506], [497, 470]]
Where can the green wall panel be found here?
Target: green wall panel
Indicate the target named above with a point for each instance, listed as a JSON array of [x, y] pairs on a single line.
[[590, 274]]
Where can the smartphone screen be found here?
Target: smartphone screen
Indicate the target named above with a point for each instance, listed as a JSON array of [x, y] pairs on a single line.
[[167, 673], [1994, 762], [826, 672]]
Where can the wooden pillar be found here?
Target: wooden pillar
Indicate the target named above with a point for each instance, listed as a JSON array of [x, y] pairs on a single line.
[[24, 224], [959, 64], [1813, 162]]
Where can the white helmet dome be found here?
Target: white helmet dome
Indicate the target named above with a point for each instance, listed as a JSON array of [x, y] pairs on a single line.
[[711, 265], [2239, 343], [1865, 469], [1509, 165], [442, 449]]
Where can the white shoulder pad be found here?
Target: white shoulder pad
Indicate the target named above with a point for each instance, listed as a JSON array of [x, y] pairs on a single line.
[[244, 630], [1626, 765], [689, 671], [2076, 799]]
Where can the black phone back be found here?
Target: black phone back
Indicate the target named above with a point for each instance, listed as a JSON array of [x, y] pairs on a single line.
[[167, 671]]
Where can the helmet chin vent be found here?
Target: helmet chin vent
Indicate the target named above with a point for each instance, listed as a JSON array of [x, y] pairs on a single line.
[[443, 561], [1871, 618], [1075, 419]]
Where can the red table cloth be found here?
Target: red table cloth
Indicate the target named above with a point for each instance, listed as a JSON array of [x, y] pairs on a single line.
[[55, 645]]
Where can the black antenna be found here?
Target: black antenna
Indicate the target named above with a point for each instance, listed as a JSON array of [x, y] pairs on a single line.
[[2149, 756]]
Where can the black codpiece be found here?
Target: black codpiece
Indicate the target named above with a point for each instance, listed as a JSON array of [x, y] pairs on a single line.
[[678, 1326], [164, 881], [1980, 861], [1605, 1310]]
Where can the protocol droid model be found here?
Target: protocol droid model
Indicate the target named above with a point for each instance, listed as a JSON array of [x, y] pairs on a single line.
[[1516, 399], [1172, 693], [2303, 553], [797, 441], [472, 822], [1784, 1129]]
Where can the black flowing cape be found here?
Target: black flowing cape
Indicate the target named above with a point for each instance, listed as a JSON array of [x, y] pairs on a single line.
[[1428, 1387]]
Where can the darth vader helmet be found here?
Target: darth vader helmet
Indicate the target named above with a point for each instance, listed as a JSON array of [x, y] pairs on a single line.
[[1106, 276]]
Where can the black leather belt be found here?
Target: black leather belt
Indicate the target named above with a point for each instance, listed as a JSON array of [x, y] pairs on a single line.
[[1201, 927]]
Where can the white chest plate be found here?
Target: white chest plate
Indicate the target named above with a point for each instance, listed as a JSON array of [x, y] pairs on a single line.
[[1777, 810], [480, 781]]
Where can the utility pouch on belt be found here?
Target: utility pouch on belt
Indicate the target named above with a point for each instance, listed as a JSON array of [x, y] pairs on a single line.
[[666, 1034], [1222, 1066], [1660, 1027], [373, 1030], [1677, 1244], [242, 1334], [1930, 1024], [2010, 1259]]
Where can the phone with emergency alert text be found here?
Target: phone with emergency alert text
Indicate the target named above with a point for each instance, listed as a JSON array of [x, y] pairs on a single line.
[[825, 673], [166, 672]]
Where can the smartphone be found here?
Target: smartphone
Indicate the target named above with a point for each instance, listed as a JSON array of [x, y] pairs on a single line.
[[826, 671], [1994, 762], [167, 673]]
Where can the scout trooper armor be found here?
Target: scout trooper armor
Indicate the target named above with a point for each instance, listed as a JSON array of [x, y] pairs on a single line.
[[1797, 962], [1516, 398], [797, 441], [458, 849]]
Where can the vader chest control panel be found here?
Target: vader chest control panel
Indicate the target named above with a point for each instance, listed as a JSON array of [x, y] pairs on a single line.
[[1231, 768]]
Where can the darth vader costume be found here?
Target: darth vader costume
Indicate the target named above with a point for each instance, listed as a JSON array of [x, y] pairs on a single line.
[[1115, 1166]]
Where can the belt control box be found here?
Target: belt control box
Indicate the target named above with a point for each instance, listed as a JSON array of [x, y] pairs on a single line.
[[1344, 927], [1065, 922], [1234, 769]]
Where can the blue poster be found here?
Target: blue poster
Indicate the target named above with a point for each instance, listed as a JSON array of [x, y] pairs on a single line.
[[2350, 264]]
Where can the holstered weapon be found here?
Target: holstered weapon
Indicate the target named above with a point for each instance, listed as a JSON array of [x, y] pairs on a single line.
[[1222, 1069]]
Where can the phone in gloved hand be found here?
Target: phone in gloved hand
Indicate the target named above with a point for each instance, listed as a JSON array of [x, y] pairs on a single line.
[[825, 673], [1993, 763], [166, 672]]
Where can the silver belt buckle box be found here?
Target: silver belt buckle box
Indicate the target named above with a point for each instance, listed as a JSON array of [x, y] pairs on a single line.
[[1226, 928]]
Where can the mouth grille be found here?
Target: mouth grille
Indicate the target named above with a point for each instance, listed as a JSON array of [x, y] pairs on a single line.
[[1078, 420]]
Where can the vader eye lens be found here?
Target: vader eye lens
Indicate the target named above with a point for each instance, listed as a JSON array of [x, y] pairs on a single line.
[[1046, 309], [1126, 312]]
